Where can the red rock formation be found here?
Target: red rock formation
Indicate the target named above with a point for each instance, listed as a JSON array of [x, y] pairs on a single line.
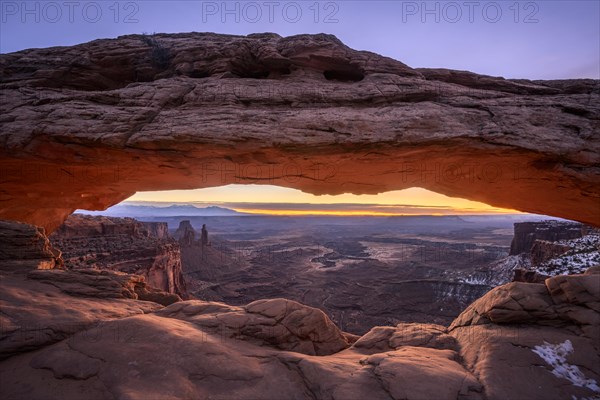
[[526, 233], [204, 236], [89, 125], [523, 275], [185, 234], [280, 323], [159, 230], [544, 250], [24, 247], [123, 244], [277, 349]]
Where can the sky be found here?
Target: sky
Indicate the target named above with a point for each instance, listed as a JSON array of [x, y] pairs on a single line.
[[259, 199], [513, 39]]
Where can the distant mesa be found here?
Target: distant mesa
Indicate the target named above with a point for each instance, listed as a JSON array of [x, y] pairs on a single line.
[[526, 233]]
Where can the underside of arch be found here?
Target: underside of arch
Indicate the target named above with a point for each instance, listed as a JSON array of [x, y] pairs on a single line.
[[87, 126]]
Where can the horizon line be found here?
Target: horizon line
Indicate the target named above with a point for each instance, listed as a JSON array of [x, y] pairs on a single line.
[[236, 206]]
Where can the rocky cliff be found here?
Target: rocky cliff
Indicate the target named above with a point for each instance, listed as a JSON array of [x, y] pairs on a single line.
[[526, 233], [185, 234], [544, 250], [26, 247], [74, 334], [122, 244], [159, 230], [548, 248], [87, 126]]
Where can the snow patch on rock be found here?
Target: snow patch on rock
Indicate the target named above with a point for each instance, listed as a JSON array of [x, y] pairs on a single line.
[[556, 356]]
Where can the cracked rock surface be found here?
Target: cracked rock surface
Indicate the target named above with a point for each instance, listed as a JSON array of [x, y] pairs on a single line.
[[498, 333]]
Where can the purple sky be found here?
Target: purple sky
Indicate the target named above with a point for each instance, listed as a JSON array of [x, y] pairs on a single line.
[[514, 39]]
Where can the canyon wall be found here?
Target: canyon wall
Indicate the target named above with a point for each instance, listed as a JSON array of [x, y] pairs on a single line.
[[122, 244], [26, 247], [543, 249], [86, 126], [526, 233]]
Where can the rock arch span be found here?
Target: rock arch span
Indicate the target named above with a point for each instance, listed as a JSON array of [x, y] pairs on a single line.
[[89, 125]]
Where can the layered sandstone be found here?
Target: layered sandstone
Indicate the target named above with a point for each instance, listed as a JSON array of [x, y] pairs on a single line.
[[540, 250], [25, 247], [527, 233], [500, 336], [89, 125], [185, 234], [544, 250], [42, 304], [122, 244]]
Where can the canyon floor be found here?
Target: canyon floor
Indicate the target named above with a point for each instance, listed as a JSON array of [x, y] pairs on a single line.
[[101, 334], [362, 271]]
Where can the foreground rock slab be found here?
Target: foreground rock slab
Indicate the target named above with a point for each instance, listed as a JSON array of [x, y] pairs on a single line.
[[535, 341], [156, 357], [196, 349], [284, 324], [35, 314]]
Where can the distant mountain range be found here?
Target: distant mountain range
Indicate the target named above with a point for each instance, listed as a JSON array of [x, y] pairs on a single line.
[[156, 210], [140, 211]]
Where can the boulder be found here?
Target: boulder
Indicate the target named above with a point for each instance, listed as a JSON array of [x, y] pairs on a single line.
[[281, 323]]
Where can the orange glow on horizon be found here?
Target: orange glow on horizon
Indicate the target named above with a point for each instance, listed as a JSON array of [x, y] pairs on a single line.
[[360, 213], [259, 198]]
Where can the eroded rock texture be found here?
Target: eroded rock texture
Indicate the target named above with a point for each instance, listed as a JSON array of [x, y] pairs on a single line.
[[122, 244], [89, 125], [25, 247], [527, 233], [499, 332], [273, 349]]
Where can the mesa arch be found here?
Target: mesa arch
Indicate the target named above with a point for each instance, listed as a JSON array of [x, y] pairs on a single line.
[[89, 125]]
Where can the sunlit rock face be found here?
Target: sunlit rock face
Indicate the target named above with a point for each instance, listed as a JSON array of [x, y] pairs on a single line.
[[89, 125]]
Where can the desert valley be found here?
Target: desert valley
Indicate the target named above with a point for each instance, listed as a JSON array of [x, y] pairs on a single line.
[[362, 271]]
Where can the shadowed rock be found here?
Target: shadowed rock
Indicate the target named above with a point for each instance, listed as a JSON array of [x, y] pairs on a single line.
[[185, 234], [122, 244], [24, 247]]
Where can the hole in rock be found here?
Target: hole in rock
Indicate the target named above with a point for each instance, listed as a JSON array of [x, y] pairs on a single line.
[[344, 75], [410, 255]]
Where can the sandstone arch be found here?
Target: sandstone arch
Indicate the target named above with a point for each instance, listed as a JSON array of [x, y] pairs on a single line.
[[89, 125]]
